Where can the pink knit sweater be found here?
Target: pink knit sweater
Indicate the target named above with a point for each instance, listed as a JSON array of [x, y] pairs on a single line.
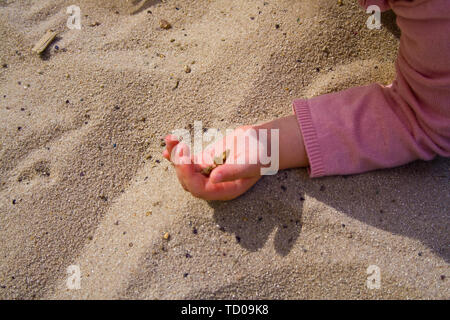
[[372, 127]]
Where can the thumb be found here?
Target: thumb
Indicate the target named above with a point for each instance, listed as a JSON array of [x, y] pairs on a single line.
[[231, 172]]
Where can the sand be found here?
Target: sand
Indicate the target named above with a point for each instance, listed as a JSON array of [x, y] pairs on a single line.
[[83, 181]]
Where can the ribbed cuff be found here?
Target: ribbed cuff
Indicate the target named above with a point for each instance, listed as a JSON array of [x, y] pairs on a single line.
[[312, 146]]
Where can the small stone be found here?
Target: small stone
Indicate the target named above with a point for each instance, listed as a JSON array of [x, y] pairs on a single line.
[[340, 3], [187, 69], [185, 275], [442, 277], [130, 244], [207, 171], [148, 213], [166, 236], [164, 24], [4, 65]]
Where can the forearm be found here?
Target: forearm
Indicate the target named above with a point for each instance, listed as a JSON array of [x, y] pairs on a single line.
[[292, 151]]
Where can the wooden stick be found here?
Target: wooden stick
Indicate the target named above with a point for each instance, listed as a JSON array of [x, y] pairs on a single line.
[[44, 42]]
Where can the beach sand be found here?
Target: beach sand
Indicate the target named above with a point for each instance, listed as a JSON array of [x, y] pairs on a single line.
[[83, 181]]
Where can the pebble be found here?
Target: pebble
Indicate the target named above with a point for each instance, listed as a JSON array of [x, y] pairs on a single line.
[[164, 24], [148, 213], [187, 69], [166, 236]]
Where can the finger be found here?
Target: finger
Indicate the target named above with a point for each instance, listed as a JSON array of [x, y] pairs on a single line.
[[180, 153], [171, 142], [228, 190], [190, 178], [166, 154], [231, 172]]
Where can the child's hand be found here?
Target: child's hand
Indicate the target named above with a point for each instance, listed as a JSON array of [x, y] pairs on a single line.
[[230, 180], [226, 181]]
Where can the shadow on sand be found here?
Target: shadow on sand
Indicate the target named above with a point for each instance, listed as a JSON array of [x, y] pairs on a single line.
[[409, 201]]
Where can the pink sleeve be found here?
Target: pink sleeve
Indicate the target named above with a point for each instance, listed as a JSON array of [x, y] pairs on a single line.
[[372, 127], [383, 4]]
